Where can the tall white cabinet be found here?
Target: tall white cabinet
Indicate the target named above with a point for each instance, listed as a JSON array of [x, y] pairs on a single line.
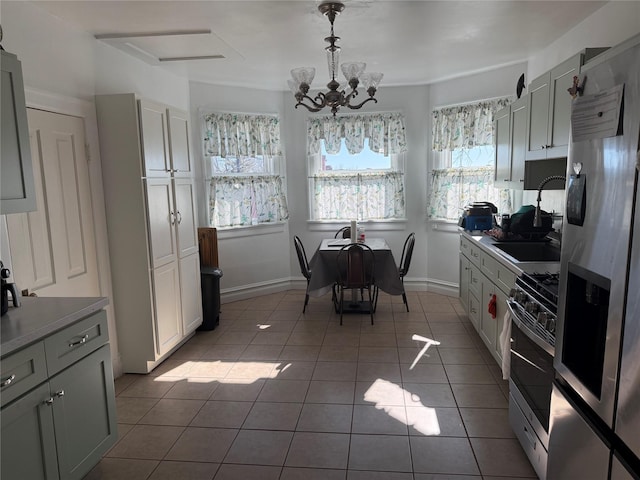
[[151, 220]]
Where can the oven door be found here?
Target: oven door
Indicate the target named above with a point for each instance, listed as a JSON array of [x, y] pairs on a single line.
[[531, 373]]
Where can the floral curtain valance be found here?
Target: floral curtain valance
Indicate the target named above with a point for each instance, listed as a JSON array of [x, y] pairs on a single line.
[[385, 131], [465, 126], [232, 134]]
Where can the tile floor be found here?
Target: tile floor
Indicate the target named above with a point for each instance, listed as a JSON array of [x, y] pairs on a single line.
[[275, 394]]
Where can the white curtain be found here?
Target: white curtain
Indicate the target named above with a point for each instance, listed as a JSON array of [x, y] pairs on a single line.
[[241, 135], [465, 126], [362, 196], [453, 188], [385, 131], [247, 200]]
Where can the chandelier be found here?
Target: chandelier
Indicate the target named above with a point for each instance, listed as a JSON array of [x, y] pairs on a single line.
[[337, 95]]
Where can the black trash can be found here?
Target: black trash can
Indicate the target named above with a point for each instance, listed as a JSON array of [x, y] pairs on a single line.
[[210, 285]]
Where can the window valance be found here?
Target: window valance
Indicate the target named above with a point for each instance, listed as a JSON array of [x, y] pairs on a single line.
[[232, 134], [465, 126], [385, 131]]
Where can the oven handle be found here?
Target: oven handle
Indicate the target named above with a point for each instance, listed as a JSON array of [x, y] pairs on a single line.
[[513, 307]]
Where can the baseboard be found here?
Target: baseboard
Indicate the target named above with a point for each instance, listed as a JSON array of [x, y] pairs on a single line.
[[449, 289], [251, 290]]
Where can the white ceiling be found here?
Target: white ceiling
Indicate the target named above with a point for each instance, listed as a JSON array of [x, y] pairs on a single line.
[[411, 42]]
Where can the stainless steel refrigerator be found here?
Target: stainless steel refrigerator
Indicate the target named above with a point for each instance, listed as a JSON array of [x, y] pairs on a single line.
[[594, 428]]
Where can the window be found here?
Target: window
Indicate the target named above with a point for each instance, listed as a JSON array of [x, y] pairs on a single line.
[[463, 160], [244, 165], [356, 165]]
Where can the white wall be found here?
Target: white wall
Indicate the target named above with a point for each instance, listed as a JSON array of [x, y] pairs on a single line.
[[615, 22], [251, 263]]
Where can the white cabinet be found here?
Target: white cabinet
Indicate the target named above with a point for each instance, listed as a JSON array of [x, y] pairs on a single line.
[[482, 276], [151, 217]]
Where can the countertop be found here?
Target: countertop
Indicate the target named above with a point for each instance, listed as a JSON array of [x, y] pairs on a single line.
[[42, 316], [487, 243]]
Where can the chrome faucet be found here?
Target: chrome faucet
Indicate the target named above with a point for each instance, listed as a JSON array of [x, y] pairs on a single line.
[[537, 217]]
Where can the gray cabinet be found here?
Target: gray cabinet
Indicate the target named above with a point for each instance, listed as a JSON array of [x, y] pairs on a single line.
[[60, 428], [549, 108], [17, 192], [150, 194], [511, 131]]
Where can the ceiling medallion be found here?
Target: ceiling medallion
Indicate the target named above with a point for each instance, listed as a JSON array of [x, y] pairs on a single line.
[[337, 96]]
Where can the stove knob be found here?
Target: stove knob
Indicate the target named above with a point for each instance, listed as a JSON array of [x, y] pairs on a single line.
[[521, 297], [543, 318], [551, 325], [531, 307], [512, 293]]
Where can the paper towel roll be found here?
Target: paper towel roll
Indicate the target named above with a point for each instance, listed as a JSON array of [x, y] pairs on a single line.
[[354, 231]]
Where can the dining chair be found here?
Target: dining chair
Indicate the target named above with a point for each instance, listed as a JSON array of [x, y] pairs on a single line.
[[356, 263], [304, 267], [405, 262], [344, 232]]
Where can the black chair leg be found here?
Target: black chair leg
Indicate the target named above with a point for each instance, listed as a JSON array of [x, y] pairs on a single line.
[[404, 299], [341, 303], [370, 305]]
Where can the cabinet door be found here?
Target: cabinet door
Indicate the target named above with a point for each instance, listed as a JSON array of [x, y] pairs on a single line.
[[503, 158], [168, 315], [17, 190], [561, 78], [84, 413], [191, 295], [487, 322], [153, 128], [464, 282], [180, 153], [162, 219], [538, 117], [518, 142], [28, 438], [185, 217]]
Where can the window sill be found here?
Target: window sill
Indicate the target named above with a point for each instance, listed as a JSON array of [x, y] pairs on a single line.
[[369, 225], [445, 226], [251, 230]]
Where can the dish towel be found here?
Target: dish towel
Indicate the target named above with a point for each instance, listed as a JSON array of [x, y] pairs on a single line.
[[505, 346], [492, 307]]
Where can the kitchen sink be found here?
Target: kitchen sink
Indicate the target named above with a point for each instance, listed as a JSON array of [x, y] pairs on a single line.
[[530, 251]]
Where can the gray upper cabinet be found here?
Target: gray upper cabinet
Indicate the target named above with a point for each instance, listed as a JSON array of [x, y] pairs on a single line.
[[511, 131], [549, 108], [17, 188]]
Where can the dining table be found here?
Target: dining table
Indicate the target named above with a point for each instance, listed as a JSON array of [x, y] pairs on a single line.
[[324, 266]]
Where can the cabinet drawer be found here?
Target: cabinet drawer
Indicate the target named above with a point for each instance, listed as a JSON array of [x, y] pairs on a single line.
[[488, 265], [474, 255], [76, 341], [465, 246], [22, 371], [505, 278], [474, 280]]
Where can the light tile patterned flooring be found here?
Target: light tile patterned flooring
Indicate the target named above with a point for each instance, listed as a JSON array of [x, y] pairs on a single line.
[[275, 394]]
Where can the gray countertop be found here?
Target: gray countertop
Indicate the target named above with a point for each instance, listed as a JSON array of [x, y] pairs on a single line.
[[42, 316]]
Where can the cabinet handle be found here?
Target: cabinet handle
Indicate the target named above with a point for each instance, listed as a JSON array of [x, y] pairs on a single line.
[[79, 342], [173, 218], [48, 401], [8, 381], [60, 393], [473, 310], [179, 215], [522, 180], [543, 146]]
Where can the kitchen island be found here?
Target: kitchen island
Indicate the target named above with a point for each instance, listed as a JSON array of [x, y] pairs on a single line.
[[58, 402]]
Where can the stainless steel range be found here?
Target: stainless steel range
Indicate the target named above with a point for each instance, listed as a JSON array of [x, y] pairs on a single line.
[[533, 306]]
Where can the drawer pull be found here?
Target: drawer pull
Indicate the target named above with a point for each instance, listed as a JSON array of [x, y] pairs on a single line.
[[48, 401], [8, 381], [79, 342], [60, 393]]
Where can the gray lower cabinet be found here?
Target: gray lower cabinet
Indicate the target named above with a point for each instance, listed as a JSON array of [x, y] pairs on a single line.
[[61, 428]]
